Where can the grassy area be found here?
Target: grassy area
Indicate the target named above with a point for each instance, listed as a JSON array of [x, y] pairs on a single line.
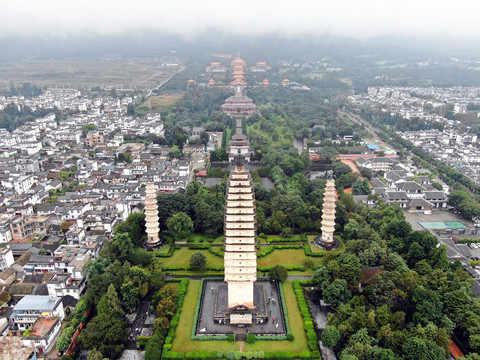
[[316, 249], [183, 343], [200, 238], [286, 257], [228, 136], [273, 237], [182, 257]]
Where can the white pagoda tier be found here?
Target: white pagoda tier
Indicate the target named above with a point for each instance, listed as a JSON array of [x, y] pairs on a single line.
[[151, 215], [328, 214], [240, 237]]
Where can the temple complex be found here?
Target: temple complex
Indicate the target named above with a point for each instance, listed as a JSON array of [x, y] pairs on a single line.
[[328, 215], [240, 237], [151, 217], [239, 105]]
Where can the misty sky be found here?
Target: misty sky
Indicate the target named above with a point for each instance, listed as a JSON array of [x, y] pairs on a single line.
[[360, 19]]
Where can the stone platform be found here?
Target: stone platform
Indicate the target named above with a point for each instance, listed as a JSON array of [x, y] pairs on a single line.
[[318, 242], [213, 317], [161, 243]]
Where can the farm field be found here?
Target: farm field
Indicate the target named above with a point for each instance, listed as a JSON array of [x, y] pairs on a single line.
[[85, 74]]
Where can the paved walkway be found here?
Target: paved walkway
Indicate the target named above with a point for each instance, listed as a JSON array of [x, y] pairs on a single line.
[[352, 165], [141, 325]]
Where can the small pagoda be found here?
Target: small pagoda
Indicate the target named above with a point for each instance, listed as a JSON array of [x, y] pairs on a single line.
[[151, 217], [326, 240]]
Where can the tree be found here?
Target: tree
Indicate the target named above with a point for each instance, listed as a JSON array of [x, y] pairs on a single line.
[[366, 173], [361, 187], [337, 292], [198, 261], [278, 272], [130, 109], [88, 127], [348, 201], [134, 225], [130, 295], [330, 337], [156, 280], [121, 248], [169, 204], [204, 137], [175, 152], [107, 332], [329, 154], [340, 169], [95, 355], [180, 226], [65, 339], [350, 269]]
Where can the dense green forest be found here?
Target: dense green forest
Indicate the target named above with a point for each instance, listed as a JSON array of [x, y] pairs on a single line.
[[411, 308]]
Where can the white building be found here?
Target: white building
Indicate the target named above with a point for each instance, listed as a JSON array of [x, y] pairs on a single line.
[[6, 258]]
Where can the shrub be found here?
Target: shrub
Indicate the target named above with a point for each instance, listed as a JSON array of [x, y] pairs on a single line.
[[279, 273], [65, 339], [142, 340], [308, 263], [231, 337], [231, 354], [238, 355], [261, 355], [198, 261], [220, 354], [250, 338], [290, 337]]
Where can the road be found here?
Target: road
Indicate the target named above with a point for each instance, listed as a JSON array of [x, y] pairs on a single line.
[[371, 129], [163, 83]]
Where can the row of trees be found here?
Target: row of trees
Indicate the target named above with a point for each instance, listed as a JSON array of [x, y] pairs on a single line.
[[117, 282]]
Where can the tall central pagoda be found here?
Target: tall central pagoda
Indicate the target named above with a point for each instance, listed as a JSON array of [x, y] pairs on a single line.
[[240, 237]]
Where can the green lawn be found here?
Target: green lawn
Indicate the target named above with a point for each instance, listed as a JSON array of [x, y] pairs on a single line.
[[273, 237], [285, 257], [182, 258], [183, 343], [200, 238]]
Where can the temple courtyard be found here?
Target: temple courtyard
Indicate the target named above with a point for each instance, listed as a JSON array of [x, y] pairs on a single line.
[[268, 316]]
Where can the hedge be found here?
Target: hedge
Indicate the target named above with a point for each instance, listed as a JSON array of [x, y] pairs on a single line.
[[288, 267], [199, 246], [142, 340], [179, 268], [274, 240], [170, 251], [466, 240], [307, 319], [271, 248], [308, 251]]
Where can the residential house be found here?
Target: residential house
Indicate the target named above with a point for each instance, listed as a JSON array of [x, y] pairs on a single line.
[[32, 307]]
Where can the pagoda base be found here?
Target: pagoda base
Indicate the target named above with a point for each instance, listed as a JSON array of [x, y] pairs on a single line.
[[216, 318], [156, 245], [327, 246]]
